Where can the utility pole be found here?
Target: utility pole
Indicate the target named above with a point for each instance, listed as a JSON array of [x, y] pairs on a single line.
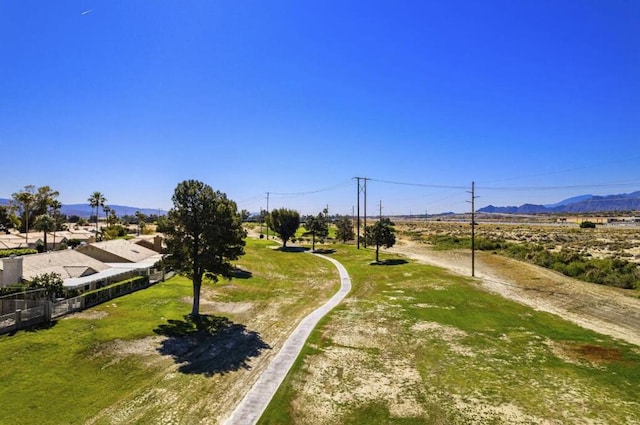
[[361, 188], [473, 228], [380, 214], [267, 218], [365, 208], [358, 220]]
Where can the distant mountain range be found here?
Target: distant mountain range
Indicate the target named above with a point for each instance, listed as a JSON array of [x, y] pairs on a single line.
[[576, 204], [85, 210]]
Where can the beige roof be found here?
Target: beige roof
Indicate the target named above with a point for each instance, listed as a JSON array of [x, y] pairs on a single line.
[[67, 263], [4, 244], [124, 250], [80, 234], [14, 241]]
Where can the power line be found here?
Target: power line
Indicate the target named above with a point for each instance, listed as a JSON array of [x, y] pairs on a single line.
[[519, 188], [311, 192], [584, 186], [435, 186]]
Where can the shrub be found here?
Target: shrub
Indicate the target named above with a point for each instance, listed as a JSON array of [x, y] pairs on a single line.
[[611, 272], [587, 225], [50, 282], [484, 244], [449, 242], [17, 252], [114, 232]]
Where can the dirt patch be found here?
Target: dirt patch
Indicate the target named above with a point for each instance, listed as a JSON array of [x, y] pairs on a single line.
[[137, 347], [593, 355], [344, 377], [449, 334], [145, 349], [207, 306], [88, 315], [482, 412]]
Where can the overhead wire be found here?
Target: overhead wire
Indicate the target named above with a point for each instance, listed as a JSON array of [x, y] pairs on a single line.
[[585, 186], [311, 192]]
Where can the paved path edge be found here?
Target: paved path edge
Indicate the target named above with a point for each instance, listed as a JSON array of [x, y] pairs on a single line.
[[254, 403]]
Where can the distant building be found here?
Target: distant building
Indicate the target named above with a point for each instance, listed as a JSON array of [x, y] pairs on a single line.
[[54, 240], [88, 267], [599, 220], [580, 219], [117, 251], [67, 263]]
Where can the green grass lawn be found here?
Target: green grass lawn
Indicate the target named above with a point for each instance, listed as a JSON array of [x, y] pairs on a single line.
[[53, 376], [413, 344], [103, 365]]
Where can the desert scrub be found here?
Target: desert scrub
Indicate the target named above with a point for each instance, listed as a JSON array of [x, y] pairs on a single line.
[[605, 271]]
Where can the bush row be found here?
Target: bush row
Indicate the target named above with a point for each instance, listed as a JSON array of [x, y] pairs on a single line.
[[17, 252], [605, 271]]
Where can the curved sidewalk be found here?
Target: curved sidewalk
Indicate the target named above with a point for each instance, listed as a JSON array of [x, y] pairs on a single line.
[[259, 396]]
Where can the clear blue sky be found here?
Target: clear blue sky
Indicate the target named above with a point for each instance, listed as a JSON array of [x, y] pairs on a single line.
[[289, 97]]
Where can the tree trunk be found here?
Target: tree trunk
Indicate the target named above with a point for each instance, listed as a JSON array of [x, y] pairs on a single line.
[[97, 230], [313, 243], [377, 251], [197, 284]]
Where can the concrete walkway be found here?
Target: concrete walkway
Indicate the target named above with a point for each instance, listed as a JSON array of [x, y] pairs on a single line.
[[259, 396]]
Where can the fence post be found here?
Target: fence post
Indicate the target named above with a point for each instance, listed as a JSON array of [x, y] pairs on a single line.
[[18, 316], [48, 310]]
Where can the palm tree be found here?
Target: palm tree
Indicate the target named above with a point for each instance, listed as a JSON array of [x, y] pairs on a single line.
[[26, 198], [55, 210], [45, 223], [97, 200]]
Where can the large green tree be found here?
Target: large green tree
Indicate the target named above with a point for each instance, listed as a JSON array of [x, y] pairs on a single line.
[[32, 202], [45, 197], [381, 233], [205, 234], [285, 222], [344, 229], [97, 200], [317, 226]]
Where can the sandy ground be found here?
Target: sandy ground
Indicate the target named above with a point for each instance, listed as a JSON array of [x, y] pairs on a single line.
[[606, 310]]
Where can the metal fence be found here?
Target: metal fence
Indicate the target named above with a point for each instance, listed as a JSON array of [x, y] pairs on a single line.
[[26, 313]]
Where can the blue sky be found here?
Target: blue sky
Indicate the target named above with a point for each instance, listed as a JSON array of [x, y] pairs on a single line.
[[535, 101]]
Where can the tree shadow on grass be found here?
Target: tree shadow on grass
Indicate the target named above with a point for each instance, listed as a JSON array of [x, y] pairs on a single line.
[[391, 262], [33, 328], [292, 249], [324, 251], [209, 345], [239, 273]]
